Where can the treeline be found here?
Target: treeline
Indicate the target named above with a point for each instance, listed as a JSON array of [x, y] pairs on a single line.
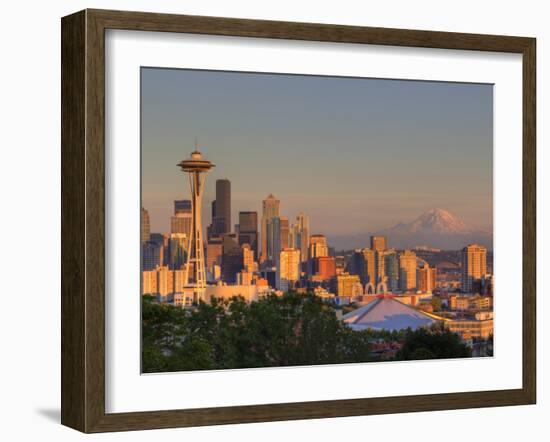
[[289, 330]]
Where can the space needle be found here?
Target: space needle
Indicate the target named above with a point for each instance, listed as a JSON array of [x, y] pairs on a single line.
[[197, 168]]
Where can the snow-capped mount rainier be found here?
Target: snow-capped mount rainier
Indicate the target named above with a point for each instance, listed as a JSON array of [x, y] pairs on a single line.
[[434, 221], [436, 228]]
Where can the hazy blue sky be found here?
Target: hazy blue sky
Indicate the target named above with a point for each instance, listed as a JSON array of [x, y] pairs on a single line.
[[355, 154]]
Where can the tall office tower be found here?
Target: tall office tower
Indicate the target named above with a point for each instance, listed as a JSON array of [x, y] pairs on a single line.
[[288, 269], [223, 205], [407, 271], [182, 206], [301, 235], [324, 268], [196, 167], [181, 221], [284, 230], [248, 230], [274, 237], [270, 210], [145, 225], [213, 254], [356, 265], [248, 258], [370, 274], [318, 246], [391, 266], [179, 243], [426, 279], [378, 243], [152, 255], [474, 267], [232, 258], [380, 264]]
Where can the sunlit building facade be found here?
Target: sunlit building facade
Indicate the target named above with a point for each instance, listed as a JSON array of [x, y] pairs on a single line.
[[288, 269], [474, 267], [407, 271]]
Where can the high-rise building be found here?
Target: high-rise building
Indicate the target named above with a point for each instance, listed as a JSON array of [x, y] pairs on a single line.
[[270, 210], [232, 258], [299, 236], [370, 274], [248, 258], [152, 255], [223, 205], [346, 284], [274, 237], [248, 230], [179, 243], [288, 269], [214, 254], [407, 271], [318, 246], [391, 267], [284, 231], [380, 264], [324, 268], [474, 267], [363, 264], [181, 221], [378, 243], [426, 279], [195, 166], [145, 225], [182, 206]]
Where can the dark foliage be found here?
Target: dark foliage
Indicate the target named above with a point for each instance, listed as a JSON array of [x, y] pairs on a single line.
[[275, 331], [433, 343]]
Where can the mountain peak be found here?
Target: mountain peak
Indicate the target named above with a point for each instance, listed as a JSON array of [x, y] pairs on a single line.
[[438, 221]]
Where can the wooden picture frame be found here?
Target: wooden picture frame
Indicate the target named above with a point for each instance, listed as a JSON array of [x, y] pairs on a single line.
[[83, 220]]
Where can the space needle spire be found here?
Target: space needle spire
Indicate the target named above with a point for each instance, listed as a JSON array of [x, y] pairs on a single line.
[[197, 168]]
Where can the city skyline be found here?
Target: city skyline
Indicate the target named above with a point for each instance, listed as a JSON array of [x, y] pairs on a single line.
[[374, 200]]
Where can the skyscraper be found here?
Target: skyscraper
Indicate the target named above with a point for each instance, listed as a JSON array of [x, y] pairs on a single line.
[[178, 250], [474, 267], [324, 268], [378, 243], [145, 225], [223, 205], [181, 221], [300, 235], [152, 255], [248, 230], [182, 206], [370, 274], [232, 258], [407, 271], [196, 167], [391, 266], [318, 246], [270, 210], [288, 269], [248, 258], [274, 237], [284, 229], [426, 279]]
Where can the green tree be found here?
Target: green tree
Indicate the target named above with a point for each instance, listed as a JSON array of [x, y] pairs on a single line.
[[424, 343]]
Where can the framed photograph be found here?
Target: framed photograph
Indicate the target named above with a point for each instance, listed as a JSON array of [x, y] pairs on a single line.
[[267, 220]]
